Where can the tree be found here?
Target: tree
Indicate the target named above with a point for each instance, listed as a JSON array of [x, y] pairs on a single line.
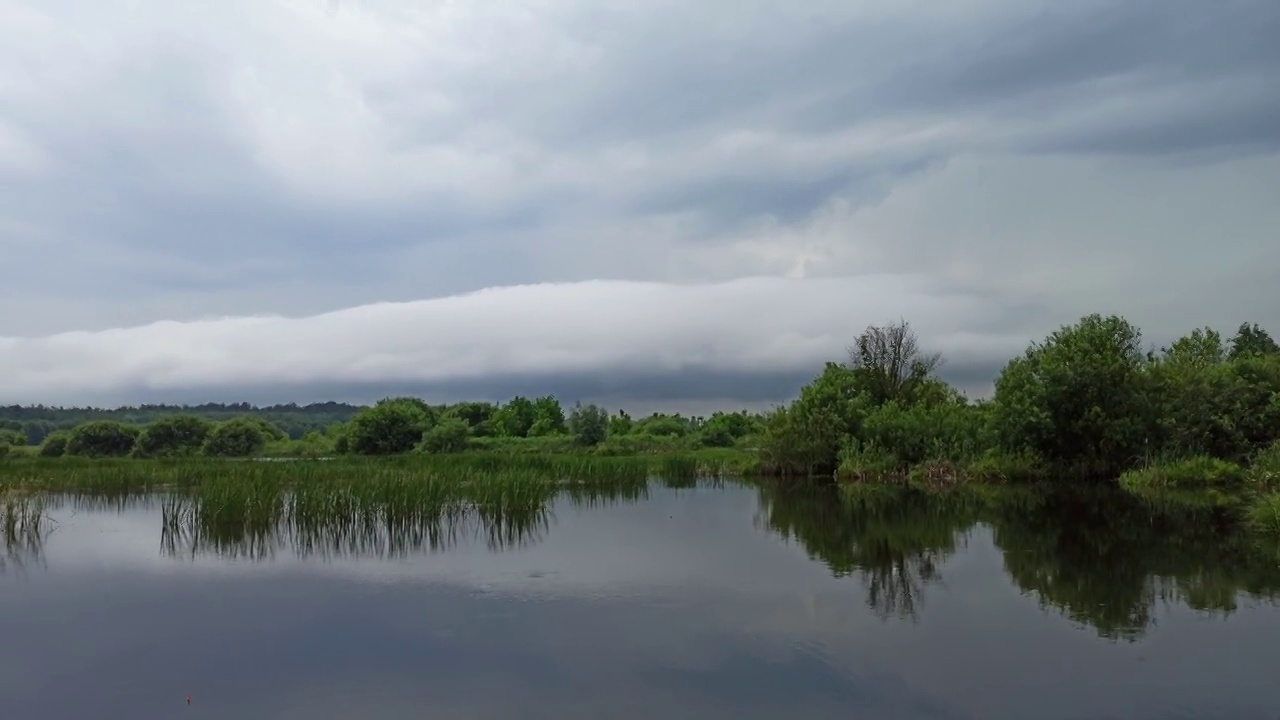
[[621, 424], [1252, 341], [173, 436], [237, 437], [1078, 398], [890, 363], [448, 436], [548, 417], [390, 427], [806, 437], [516, 418], [1201, 347], [102, 438], [477, 415], [12, 437], [55, 444], [662, 425], [589, 424]]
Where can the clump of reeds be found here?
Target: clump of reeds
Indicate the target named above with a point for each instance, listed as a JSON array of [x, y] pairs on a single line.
[[25, 525], [1263, 514]]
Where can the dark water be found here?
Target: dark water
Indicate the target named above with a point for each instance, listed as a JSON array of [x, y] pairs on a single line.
[[732, 602]]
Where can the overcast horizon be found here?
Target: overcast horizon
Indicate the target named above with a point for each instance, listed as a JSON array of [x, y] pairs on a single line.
[[651, 205]]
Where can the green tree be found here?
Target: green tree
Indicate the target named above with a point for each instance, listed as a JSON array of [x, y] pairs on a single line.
[[390, 427], [621, 424], [1252, 341], [1078, 398], [662, 425], [173, 436], [516, 418], [102, 438], [237, 437], [477, 415], [548, 417], [589, 424], [13, 437], [724, 429], [450, 435], [807, 436], [55, 444]]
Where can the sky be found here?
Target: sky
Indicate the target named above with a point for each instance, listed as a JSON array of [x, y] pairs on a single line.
[[639, 202]]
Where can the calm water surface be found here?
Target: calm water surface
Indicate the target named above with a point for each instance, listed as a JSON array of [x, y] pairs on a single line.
[[711, 601]]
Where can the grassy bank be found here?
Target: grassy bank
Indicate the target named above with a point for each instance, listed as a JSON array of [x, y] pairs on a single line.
[[461, 469]]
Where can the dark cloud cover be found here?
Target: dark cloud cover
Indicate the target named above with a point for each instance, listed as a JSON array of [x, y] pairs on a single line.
[[293, 157]]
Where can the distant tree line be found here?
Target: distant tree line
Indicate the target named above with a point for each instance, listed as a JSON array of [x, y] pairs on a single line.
[[389, 427], [39, 421]]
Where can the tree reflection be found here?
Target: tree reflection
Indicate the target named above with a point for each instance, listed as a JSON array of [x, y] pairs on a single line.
[[894, 541], [1100, 557]]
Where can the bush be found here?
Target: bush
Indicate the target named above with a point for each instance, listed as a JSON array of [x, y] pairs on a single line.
[[450, 435], [175, 436], [589, 424], [390, 427], [238, 437], [55, 445], [1264, 471], [102, 438]]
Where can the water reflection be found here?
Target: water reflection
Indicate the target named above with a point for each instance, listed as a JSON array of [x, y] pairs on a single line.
[[350, 525], [1100, 558], [25, 524]]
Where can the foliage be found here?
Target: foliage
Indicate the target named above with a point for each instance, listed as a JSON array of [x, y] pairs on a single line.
[[173, 436], [1252, 341], [448, 436], [1077, 399], [55, 445], [1195, 472], [1264, 513], [237, 437], [102, 438], [12, 437], [589, 424], [392, 426]]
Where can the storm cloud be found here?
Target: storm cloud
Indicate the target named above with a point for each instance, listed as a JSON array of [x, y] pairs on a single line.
[[636, 200]]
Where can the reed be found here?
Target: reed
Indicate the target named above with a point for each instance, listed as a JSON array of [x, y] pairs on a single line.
[[519, 472], [25, 524]]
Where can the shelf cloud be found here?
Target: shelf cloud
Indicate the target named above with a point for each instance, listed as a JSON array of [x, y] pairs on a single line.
[[641, 200]]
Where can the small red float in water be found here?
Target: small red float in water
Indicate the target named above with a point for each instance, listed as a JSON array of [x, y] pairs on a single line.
[[188, 699]]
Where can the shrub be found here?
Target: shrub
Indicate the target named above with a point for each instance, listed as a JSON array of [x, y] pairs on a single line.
[[102, 438], [238, 437], [55, 445], [1200, 472], [450, 435], [175, 436]]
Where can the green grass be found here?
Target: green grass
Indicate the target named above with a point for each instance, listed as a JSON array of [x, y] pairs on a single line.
[[1263, 514], [1195, 473], [514, 471]]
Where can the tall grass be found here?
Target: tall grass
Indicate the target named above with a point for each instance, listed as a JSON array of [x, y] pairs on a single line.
[[514, 473], [24, 524], [1264, 513]]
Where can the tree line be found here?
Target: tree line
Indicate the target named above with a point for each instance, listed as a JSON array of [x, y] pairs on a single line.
[[1088, 401], [37, 422], [391, 426]]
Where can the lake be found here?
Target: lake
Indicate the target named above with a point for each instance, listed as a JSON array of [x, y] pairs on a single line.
[[716, 600]]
